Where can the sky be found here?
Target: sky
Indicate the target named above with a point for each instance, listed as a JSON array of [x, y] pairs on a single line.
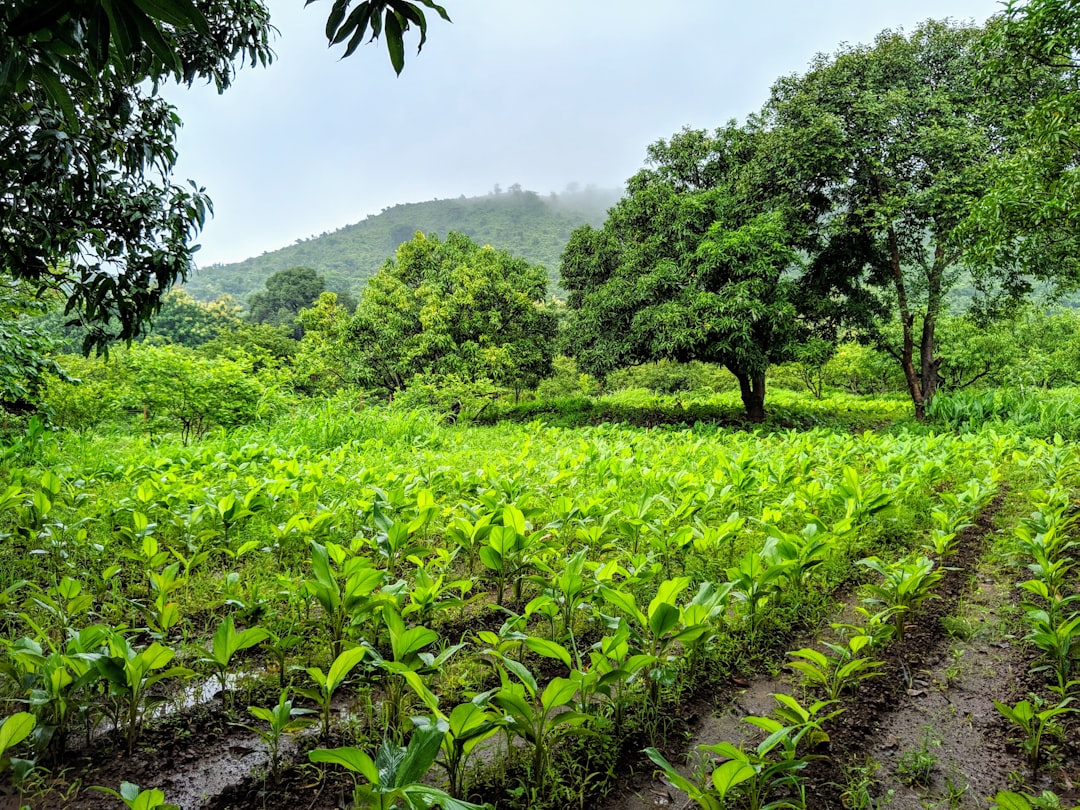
[[544, 93]]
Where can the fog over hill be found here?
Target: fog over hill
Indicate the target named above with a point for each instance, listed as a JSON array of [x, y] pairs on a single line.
[[523, 222]]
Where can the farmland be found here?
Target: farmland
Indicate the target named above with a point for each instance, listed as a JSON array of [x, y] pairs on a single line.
[[362, 606]]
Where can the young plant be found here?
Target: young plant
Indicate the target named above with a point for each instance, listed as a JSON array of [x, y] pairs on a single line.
[[711, 796], [226, 643], [838, 668], [408, 656], [539, 726], [131, 674], [1059, 641], [136, 799], [468, 725], [1027, 717], [345, 597], [326, 683], [905, 585], [397, 772], [665, 625], [915, 766], [281, 719], [755, 580], [164, 613]]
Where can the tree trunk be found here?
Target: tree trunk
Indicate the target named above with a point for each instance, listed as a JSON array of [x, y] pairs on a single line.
[[907, 323], [752, 388], [931, 365]]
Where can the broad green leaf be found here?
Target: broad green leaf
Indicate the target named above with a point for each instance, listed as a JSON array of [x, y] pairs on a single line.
[[729, 774], [15, 729], [352, 758]]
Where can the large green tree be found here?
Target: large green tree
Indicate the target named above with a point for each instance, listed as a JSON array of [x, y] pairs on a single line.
[[885, 149], [287, 292], [1030, 215], [688, 267], [88, 205], [453, 308]]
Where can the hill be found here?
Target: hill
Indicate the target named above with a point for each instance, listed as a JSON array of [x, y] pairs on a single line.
[[522, 222]]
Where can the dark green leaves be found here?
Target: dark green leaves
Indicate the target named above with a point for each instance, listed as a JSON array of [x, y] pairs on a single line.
[[390, 17]]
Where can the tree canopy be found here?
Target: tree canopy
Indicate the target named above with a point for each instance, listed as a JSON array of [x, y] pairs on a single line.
[[453, 308], [287, 292], [884, 149], [1030, 213], [687, 268]]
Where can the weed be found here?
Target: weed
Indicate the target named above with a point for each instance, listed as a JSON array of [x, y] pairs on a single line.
[[857, 791], [916, 766]]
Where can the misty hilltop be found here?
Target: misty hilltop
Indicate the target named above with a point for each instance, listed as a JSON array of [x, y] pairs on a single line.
[[522, 222]]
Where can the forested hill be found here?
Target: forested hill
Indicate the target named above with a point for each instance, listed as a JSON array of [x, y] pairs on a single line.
[[526, 224]]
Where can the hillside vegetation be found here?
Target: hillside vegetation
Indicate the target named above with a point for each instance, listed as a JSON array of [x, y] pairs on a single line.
[[522, 222]]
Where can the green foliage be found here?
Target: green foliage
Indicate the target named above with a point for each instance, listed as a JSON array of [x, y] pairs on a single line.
[[382, 18], [287, 292], [453, 309], [280, 720], [397, 772], [186, 322], [1031, 718], [1029, 214], [882, 150], [165, 387], [25, 362], [90, 206], [685, 268], [136, 799], [190, 393]]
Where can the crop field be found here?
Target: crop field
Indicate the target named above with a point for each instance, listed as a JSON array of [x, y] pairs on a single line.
[[370, 608]]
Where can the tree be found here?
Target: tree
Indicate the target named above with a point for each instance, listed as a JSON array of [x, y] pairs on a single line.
[[88, 205], [287, 292], [186, 322], [453, 308], [1030, 215], [885, 149], [687, 268]]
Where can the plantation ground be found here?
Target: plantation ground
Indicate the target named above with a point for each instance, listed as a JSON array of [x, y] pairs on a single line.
[[612, 589]]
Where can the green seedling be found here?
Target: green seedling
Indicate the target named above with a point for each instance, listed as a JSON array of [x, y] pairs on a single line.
[[905, 585], [397, 773], [346, 597], [468, 725], [131, 674], [408, 656], [714, 795], [281, 719], [226, 643], [1059, 641], [326, 683], [1026, 715], [540, 725], [838, 668], [136, 799]]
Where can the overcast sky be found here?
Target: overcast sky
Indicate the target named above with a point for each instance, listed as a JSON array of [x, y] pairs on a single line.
[[538, 92]]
